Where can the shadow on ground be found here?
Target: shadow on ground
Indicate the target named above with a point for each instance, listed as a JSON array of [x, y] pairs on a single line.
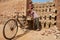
[[21, 35]]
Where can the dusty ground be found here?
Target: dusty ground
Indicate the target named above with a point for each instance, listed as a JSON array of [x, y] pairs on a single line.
[[44, 34]]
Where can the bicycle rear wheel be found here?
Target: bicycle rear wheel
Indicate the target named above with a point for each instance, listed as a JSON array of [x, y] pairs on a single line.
[[10, 29]]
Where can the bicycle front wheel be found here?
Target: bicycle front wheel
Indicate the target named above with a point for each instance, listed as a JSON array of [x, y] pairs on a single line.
[[10, 29]]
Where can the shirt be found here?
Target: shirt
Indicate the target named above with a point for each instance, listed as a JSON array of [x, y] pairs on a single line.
[[35, 15]]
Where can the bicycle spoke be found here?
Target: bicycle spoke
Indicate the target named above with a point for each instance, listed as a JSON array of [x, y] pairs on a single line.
[[10, 29]]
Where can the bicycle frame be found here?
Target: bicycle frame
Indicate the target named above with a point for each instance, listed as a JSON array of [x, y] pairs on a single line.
[[18, 21]]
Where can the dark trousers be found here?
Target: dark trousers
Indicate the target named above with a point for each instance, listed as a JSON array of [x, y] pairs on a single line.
[[36, 23]]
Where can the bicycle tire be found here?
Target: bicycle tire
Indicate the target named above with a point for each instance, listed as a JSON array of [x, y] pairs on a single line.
[[5, 36]]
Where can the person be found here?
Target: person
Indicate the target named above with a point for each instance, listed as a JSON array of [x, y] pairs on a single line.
[[34, 16], [35, 19]]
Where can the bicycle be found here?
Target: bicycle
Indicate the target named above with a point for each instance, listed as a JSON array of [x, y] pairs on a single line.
[[11, 26]]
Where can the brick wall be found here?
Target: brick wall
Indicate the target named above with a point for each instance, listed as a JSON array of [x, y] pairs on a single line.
[[45, 10], [57, 2]]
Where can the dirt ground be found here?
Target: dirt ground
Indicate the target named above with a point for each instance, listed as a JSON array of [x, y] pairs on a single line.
[[44, 34]]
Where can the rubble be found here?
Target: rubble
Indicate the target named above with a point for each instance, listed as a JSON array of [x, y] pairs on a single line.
[[53, 30]]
